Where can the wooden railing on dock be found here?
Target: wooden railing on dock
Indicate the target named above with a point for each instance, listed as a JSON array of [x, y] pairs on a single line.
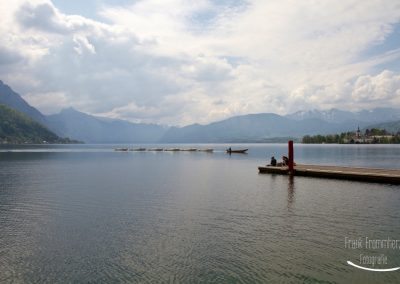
[[347, 173]]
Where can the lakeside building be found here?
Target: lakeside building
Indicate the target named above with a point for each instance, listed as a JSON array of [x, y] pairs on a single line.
[[367, 138]]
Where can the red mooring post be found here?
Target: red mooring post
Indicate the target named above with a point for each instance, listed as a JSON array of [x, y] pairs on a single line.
[[291, 155]]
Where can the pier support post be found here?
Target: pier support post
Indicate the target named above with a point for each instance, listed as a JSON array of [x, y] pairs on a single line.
[[291, 155]]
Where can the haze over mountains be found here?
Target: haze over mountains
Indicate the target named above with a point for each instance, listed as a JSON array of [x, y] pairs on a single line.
[[263, 127], [91, 129]]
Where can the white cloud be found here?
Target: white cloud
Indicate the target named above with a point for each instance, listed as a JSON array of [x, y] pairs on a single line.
[[83, 45], [381, 88], [178, 62]]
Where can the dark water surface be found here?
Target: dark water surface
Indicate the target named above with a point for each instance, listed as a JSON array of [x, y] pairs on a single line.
[[85, 213]]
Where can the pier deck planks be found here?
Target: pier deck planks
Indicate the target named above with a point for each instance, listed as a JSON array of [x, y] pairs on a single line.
[[348, 173]]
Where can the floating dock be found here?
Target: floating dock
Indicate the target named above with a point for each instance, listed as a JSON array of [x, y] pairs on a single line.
[[334, 172]]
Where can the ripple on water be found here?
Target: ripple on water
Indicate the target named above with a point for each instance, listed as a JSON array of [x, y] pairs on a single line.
[[181, 218]]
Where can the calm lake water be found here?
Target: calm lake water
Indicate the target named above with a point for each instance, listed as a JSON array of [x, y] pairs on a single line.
[[84, 213]]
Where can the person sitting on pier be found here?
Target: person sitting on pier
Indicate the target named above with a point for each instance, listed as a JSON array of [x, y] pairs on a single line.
[[285, 161], [273, 161]]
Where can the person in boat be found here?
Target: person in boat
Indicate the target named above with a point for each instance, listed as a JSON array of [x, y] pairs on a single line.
[[229, 149], [273, 161]]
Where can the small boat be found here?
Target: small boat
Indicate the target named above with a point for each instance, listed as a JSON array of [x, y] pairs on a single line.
[[121, 149], [242, 151], [173, 149], [138, 149]]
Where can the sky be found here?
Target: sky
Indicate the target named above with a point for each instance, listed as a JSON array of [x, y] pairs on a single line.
[[177, 62]]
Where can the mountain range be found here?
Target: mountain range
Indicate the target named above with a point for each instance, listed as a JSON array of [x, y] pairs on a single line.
[[91, 129], [268, 127], [253, 127], [263, 127], [340, 116], [84, 127]]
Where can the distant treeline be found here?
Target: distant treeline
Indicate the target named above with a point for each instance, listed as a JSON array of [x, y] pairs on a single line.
[[370, 136]]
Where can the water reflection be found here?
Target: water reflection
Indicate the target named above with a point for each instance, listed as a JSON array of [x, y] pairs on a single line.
[[291, 191], [188, 218]]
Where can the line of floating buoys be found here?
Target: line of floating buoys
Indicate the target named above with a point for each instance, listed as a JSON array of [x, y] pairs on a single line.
[[208, 150], [173, 149]]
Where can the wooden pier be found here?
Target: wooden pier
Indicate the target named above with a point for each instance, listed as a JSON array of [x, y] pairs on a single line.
[[334, 172]]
